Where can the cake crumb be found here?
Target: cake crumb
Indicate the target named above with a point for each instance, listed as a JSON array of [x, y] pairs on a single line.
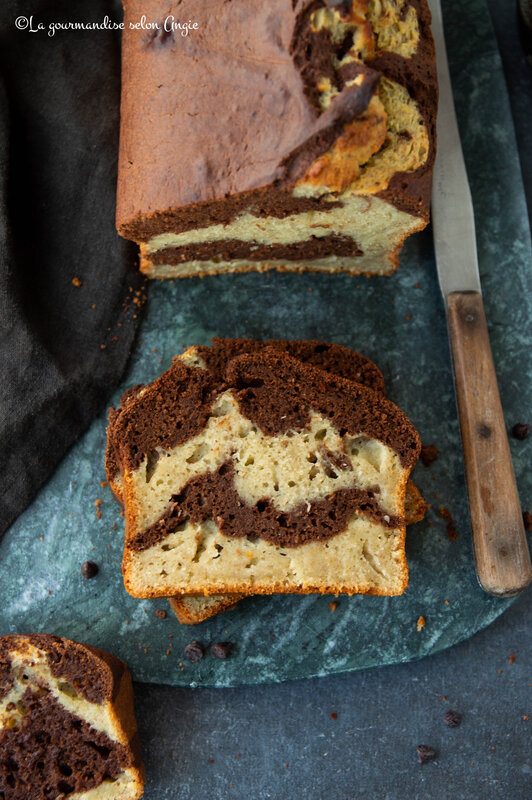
[[526, 718], [445, 514], [98, 503], [333, 605], [76, 282], [429, 454], [420, 624], [103, 484], [425, 753], [160, 613], [511, 658], [452, 719], [334, 715]]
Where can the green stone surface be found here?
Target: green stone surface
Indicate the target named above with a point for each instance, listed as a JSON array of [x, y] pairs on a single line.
[[399, 322]]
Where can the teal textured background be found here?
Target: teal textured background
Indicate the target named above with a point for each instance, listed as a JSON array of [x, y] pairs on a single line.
[[399, 322]]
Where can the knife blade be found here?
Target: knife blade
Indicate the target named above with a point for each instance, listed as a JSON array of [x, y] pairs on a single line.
[[501, 552]]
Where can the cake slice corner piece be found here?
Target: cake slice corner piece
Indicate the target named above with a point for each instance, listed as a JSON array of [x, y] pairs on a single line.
[[62, 705]]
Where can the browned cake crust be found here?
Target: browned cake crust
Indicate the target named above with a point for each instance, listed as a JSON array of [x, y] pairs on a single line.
[[174, 166], [66, 721]]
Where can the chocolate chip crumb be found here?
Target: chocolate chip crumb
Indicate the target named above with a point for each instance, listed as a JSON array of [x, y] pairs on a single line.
[[221, 649], [194, 651], [521, 431], [452, 719], [445, 514], [425, 753], [527, 519], [89, 569], [429, 454], [160, 613]]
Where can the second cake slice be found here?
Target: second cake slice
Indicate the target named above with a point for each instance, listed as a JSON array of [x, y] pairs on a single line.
[[277, 478]]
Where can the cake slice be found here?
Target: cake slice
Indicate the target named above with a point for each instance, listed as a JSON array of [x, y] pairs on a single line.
[[333, 358], [66, 722], [278, 478], [291, 134]]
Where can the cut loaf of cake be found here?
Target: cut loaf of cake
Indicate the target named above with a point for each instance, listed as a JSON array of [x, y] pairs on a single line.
[[292, 135], [276, 478], [66, 722]]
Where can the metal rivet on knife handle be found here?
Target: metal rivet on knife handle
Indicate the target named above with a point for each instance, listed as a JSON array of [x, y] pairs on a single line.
[[501, 552]]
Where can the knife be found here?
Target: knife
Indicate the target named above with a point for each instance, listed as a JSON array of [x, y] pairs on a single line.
[[501, 552]]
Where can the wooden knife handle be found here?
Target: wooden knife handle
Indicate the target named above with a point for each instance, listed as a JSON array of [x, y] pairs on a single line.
[[501, 552]]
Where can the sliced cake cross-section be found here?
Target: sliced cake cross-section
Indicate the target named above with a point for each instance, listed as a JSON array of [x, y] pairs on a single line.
[[278, 478], [66, 722]]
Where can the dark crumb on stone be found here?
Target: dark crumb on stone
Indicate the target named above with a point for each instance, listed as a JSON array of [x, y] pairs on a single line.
[[221, 649], [334, 715], [194, 651], [89, 569], [425, 753], [452, 719], [160, 613], [211, 760], [521, 431], [445, 514], [527, 519], [429, 454]]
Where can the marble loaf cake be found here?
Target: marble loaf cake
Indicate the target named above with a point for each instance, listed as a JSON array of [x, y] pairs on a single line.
[[66, 722], [333, 358], [288, 134], [276, 477]]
